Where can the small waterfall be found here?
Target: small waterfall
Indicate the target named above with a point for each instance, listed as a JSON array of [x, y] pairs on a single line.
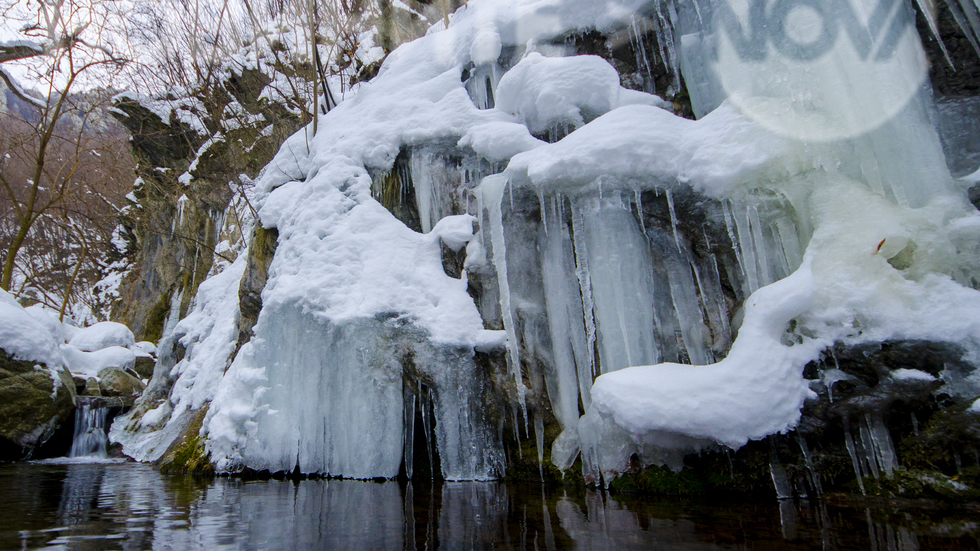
[[90, 428]]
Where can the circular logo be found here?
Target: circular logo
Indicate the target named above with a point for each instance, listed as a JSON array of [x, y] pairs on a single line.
[[819, 70]]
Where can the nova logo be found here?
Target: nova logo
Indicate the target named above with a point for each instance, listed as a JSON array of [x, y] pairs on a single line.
[[808, 29], [818, 70]]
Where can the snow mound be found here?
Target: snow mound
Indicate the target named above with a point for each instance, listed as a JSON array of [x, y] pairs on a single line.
[[499, 141], [89, 364], [25, 337], [49, 318], [102, 335], [543, 91], [646, 144], [756, 391]]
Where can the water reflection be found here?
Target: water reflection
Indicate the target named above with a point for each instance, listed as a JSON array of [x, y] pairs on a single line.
[[127, 506]]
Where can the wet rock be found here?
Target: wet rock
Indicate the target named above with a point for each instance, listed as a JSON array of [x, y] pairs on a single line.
[[144, 366], [80, 382], [116, 382], [92, 387], [880, 407], [263, 248], [32, 405]]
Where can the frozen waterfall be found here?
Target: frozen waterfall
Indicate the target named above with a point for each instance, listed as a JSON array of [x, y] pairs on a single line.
[[495, 232]]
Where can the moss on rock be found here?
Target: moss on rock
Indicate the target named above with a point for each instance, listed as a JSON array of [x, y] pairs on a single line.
[[188, 453], [32, 405]]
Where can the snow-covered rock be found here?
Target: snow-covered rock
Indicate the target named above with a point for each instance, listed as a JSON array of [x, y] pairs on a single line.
[[102, 335], [89, 364], [23, 336]]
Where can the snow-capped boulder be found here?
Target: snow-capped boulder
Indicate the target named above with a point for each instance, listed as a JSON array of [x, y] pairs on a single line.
[[103, 335], [47, 317], [90, 364], [37, 393]]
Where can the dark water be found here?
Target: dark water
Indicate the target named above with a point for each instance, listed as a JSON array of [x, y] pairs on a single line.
[[130, 506]]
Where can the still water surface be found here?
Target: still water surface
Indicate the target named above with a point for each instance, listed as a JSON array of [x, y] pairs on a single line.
[[130, 506]]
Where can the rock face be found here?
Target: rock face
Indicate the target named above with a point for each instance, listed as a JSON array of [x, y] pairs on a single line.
[[173, 226], [32, 405]]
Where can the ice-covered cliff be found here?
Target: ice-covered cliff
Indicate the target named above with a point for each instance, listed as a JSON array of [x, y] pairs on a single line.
[[499, 239]]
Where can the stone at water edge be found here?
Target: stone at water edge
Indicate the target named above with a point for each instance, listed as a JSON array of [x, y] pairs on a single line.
[[116, 382], [31, 410]]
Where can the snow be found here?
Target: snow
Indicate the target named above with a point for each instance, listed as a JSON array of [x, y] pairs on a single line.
[[143, 348], [89, 364], [102, 335], [21, 93], [911, 375], [25, 338], [455, 231], [647, 145], [209, 334], [975, 407], [499, 141], [543, 92], [49, 318], [756, 391]]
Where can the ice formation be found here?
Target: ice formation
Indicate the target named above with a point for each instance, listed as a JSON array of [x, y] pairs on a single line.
[[808, 220]]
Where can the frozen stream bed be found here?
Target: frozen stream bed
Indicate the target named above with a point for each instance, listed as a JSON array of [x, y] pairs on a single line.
[[132, 506]]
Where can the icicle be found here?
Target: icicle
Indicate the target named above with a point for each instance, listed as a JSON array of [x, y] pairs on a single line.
[[422, 183], [673, 219], [868, 449], [928, 9], [915, 424], [585, 283], [493, 191], [427, 427], [665, 38], [639, 209], [683, 295], [409, 428], [565, 322], [787, 519], [517, 435], [972, 15], [970, 32], [766, 275], [544, 212], [849, 443], [813, 475], [779, 479], [640, 52], [732, 228], [539, 441], [884, 451]]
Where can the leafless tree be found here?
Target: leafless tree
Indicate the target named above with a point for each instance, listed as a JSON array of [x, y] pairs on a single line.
[[50, 173]]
